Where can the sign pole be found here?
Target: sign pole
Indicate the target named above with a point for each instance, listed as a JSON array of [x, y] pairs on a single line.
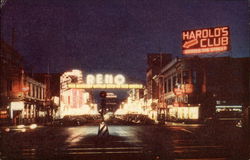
[[103, 128]]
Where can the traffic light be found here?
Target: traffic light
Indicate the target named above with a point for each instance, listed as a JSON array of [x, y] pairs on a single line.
[[103, 94]]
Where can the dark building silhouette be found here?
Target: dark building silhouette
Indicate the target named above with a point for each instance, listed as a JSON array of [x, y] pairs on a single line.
[[194, 88], [155, 62]]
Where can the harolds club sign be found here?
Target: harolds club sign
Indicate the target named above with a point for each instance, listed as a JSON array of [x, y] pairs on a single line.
[[207, 40]]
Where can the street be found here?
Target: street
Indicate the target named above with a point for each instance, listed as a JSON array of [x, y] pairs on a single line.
[[170, 141]]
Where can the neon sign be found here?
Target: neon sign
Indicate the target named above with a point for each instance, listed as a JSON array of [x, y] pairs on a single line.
[[206, 40], [102, 81], [105, 79]]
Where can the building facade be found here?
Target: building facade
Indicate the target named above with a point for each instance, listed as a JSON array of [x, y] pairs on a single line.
[[74, 101], [11, 75], [34, 99], [192, 89], [155, 63], [22, 98]]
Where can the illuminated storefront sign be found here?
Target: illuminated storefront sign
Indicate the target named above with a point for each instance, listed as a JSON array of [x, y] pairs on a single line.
[[4, 114], [74, 76], [17, 106], [105, 86], [228, 108], [184, 112], [206, 40]]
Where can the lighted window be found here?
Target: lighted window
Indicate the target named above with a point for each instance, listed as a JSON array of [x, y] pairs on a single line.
[[193, 112], [68, 99]]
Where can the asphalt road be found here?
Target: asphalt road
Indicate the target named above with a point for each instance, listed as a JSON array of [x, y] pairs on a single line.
[[148, 142]]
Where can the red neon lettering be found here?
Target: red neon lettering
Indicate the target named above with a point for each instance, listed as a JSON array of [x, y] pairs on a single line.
[[192, 36], [225, 31], [210, 34], [198, 34], [217, 32], [202, 44], [216, 41], [185, 35], [209, 43], [224, 41], [204, 33]]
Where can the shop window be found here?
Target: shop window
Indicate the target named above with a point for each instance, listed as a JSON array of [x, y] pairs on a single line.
[[68, 99], [42, 93], [193, 113]]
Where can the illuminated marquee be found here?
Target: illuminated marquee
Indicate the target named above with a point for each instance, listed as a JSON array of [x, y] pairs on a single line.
[[206, 40]]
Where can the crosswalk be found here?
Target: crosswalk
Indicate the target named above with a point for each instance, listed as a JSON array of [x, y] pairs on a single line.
[[84, 152]]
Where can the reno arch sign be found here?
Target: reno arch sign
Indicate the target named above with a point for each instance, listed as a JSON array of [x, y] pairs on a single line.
[[104, 81], [207, 40]]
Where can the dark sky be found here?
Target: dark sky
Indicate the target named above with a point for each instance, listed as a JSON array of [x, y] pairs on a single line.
[[114, 35]]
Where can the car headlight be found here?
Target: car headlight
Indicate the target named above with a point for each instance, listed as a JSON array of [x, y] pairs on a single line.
[[20, 126], [33, 126], [23, 130], [7, 129]]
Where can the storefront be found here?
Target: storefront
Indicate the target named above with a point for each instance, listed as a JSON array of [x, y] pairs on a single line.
[[16, 109]]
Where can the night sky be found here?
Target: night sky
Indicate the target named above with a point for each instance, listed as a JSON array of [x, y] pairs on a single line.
[[114, 35]]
